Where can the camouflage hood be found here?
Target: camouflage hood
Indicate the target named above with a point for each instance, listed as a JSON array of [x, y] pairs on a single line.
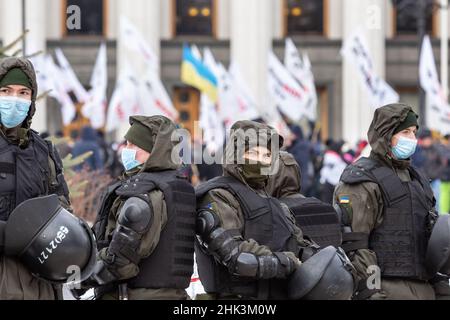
[[161, 129], [244, 134], [26, 66], [385, 121], [287, 181]]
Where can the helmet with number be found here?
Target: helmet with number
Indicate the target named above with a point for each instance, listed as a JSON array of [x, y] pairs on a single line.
[[438, 251], [324, 276], [51, 242]]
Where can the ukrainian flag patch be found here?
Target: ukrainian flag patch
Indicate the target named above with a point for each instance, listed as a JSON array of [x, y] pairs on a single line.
[[344, 199]]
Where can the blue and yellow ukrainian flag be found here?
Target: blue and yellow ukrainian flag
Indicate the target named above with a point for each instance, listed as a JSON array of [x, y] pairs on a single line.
[[196, 74]]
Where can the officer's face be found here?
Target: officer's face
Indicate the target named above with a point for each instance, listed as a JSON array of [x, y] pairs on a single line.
[[259, 154], [141, 155], [409, 133], [16, 90]]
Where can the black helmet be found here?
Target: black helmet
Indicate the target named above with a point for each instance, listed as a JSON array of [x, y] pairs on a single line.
[[438, 251], [324, 276], [50, 241]]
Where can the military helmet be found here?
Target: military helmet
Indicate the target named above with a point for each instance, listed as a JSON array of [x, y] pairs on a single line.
[[51, 242], [324, 276], [438, 250]]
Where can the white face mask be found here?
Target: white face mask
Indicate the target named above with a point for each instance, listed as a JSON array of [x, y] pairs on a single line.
[[129, 159], [405, 148], [13, 110]]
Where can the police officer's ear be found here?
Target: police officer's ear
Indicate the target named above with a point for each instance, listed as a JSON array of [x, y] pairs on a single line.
[[142, 155]]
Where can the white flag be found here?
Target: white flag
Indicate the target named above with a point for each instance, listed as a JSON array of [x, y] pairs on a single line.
[[243, 89], [210, 120], [70, 78], [95, 107], [211, 124], [285, 90], [356, 50], [300, 69], [273, 118], [125, 99], [428, 75], [196, 52], [43, 76], [134, 40], [51, 80], [437, 107], [234, 104], [154, 97], [437, 114], [210, 62]]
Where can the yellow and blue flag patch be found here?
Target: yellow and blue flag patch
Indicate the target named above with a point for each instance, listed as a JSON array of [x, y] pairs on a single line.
[[344, 199]]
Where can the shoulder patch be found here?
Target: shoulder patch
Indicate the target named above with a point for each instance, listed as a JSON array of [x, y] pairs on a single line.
[[344, 199]]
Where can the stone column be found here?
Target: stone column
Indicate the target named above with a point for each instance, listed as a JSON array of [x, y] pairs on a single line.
[[223, 19], [251, 40], [145, 15], [369, 15]]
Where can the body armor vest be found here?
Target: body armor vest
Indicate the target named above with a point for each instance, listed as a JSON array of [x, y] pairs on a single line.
[[318, 220], [401, 240], [24, 173], [267, 223], [171, 263]]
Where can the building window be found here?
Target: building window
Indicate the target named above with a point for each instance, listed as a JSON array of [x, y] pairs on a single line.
[[406, 21], [194, 17], [91, 18], [304, 16]]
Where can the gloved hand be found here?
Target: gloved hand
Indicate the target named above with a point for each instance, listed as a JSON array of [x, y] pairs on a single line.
[[100, 276]]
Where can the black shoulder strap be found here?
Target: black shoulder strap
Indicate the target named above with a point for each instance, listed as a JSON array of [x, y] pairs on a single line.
[[203, 188], [171, 182], [359, 172], [391, 185], [145, 182], [57, 185], [249, 200], [424, 182], [3, 142], [99, 227], [40, 142], [369, 170], [5, 167]]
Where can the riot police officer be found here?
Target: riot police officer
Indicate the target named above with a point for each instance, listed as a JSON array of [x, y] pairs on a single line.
[[388, 211], [145, 227], [30, 167], [249, 246]]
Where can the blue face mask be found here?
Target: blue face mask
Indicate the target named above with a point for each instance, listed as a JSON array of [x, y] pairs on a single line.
[[13, 111], [129, 159], [404, 149]]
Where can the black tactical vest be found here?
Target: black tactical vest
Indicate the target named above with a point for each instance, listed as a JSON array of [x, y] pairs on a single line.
[[171, 263], [401, 240], [24, 173], [267, 223], [318, 220]]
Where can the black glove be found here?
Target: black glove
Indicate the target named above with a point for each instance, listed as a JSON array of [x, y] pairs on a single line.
[[100, 276]]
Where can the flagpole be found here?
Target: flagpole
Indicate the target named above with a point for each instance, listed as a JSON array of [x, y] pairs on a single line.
[[421, 30], [24, 39], [444, 46]]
